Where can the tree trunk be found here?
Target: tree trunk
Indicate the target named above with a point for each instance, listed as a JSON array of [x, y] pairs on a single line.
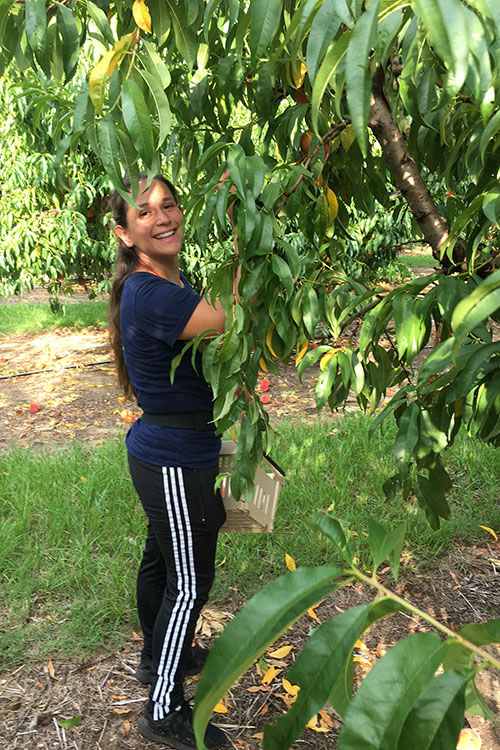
[[434, 227]]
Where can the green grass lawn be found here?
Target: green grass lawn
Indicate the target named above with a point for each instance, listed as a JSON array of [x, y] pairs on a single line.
[[418, 260], [71, 529], [26, 317]]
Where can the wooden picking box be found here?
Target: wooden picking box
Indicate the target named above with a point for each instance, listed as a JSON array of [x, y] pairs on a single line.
[[258, 514]]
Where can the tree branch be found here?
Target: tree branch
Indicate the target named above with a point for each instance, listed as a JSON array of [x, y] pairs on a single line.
[[434, 227]]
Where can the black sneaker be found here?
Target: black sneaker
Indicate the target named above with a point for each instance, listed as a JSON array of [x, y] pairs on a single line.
[[195, 664], [176, 730]]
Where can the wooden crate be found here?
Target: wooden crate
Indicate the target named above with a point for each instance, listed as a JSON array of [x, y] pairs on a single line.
[[258, 514]]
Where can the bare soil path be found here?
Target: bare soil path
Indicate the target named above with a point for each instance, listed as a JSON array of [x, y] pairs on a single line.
[[77, 398]]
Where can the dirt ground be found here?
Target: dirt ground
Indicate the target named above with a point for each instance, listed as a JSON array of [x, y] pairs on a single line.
[[73, 386]]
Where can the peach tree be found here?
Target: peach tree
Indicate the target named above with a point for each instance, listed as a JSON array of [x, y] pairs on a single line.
[[318, 109]]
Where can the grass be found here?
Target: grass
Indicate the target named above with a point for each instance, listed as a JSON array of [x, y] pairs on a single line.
[[71, 529], [26, 317], [418, 261]]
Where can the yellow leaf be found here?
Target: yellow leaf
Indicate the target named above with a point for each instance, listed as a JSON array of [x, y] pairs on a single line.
[[331, 203], [326, 717], [141, 15], [219, 565], [330, 508], [301, 352], [290, 562], [362, 660], [280, 653], [269, 340], [105, 67], [299, 71], [290, 689], [84, 479], [312, 613], [347, 137], [270, 675], [490, 531], [313, 724], [359, 644], [262, 364], [325, 359], [220, 708], [233, 433]]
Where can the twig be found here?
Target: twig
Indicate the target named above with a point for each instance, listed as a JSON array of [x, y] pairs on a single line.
[[103, 730], [478, 615], [335, 131]]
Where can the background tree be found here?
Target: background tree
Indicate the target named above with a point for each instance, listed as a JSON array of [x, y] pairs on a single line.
[[319, 110]]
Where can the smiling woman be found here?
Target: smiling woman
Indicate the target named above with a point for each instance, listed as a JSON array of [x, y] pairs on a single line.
[[172, 449]]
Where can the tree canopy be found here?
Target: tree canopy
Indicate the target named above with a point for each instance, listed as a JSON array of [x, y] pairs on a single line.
[[323, 111]]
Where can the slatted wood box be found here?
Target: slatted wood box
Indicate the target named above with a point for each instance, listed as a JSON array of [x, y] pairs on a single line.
[[258, 514]]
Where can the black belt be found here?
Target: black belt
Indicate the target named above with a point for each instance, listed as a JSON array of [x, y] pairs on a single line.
[[189, 420]]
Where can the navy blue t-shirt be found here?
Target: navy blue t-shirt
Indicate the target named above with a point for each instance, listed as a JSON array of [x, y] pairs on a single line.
[[153, 313]]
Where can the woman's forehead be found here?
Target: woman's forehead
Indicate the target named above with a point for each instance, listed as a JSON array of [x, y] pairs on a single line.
[[157, 191]]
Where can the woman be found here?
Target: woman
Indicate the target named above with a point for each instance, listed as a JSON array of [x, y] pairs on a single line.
[[172, 450]]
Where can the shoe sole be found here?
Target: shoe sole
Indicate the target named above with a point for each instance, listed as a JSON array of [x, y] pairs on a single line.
[[150, 734]]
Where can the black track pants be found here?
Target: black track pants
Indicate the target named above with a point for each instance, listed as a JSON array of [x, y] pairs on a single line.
[[177, 568]]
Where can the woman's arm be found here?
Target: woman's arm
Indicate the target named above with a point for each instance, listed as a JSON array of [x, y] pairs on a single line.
[[206, 317]]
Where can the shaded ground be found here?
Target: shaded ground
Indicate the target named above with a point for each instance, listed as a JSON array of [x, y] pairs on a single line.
[[84, 402]]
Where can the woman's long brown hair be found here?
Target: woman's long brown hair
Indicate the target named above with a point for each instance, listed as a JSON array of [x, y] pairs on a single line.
[[126, 265]]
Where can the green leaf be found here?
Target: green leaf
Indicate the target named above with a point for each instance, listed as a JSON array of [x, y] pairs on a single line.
[[68, 30], [36, 26], [489, 132], [325, 382], [162, 105], [382, 541], [387, 694], [109, 153], [331, 528], [138, 120], [100, 19], [476, 307], [357, 75], [328, 68], [282, 270], [446, 26], [68, 723], [324, 28], [432, 499], [264, 24], [185, 38], [266, 616], [437, 717], [408, 434], [323, 658], [155, 64], [491, 205], [236, 163]]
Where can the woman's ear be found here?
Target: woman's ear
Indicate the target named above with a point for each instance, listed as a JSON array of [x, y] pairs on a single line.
[[122, 235]]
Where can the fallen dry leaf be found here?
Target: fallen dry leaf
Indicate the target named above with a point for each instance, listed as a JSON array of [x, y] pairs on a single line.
[[271, 673], [280, 653]]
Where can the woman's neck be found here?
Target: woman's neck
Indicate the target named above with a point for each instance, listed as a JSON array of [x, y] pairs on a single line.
[[168, 271]]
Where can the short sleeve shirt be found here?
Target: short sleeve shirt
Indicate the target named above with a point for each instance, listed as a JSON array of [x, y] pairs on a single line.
[[153, 314]]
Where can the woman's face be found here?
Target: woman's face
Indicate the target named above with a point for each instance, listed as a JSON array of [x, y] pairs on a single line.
[[155, 226]]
